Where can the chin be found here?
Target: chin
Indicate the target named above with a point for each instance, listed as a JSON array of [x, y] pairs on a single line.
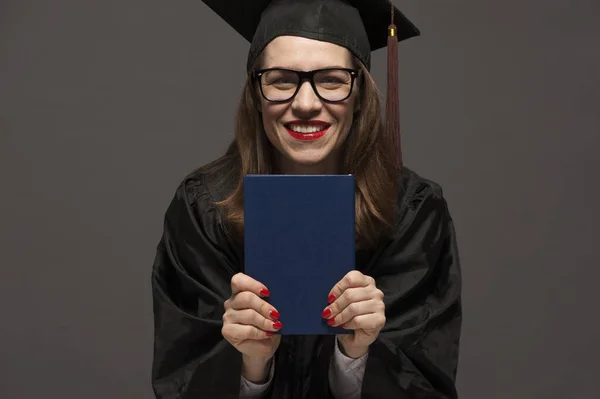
[[311, 162], [308, 157]]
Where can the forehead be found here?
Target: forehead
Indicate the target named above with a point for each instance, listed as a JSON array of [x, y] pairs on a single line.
[[301, 53]]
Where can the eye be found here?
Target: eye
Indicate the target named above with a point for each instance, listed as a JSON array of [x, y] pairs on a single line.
[[283, 81], [280, 79], [333, 78]]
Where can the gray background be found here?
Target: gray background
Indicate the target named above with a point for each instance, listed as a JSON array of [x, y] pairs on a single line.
[[106, 105]]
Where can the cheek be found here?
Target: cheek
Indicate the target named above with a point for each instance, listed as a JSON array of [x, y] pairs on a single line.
[[345, 117], [273, 113], [270, 118]]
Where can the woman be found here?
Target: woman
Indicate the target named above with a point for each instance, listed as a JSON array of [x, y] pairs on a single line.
[[215, 332]]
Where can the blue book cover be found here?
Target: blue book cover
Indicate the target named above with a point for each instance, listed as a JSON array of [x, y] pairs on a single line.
[[299, 240]]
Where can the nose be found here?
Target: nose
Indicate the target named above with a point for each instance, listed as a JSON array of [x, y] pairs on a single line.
[[306, 100]]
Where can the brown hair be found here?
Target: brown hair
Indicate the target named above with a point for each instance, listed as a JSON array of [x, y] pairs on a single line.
[[366, 156]]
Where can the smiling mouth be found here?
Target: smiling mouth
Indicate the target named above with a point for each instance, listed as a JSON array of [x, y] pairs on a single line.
[[307, 131]]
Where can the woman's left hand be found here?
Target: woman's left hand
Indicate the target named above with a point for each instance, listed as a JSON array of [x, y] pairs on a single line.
[[355, 303]]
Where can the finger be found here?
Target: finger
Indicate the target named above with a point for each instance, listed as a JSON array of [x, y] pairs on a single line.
[[349, 296], [240, 332], [366, 322], [357, 309], [242, 282], [252, 318], [249, 300], [352, 279]]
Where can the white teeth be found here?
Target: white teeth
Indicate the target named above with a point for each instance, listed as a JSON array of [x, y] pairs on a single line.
[[306, 129]]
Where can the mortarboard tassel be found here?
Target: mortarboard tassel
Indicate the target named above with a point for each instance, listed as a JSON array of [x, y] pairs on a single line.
[[392, 114]]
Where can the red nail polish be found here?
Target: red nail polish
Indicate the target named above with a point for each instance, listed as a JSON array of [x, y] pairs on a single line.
[[270, 333], [326, 313], [330, 298], [274, 314], [265, 292], [277, 325], [331, 321]]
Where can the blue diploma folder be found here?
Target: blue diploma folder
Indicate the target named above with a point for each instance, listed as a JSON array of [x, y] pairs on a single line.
[[299, 240]]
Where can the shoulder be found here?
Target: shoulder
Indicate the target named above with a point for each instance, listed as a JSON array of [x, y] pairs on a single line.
[[420, 194], [422, 231], [197, 193], [207, 184], [412, 182]]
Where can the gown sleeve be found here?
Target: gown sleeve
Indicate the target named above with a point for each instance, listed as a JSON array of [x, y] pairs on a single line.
[[416, 353], [190, 281]]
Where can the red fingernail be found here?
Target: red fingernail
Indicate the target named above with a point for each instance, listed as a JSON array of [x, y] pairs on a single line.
[[331, 321], [270, 333], [326, 313], [274, 314], [277, 325], [265, 292], [330, 298]]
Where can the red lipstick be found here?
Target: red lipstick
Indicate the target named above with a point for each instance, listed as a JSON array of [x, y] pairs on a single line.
[[323, 126]]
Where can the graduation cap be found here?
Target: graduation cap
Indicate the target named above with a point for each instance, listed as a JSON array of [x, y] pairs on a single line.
[[361, 26]]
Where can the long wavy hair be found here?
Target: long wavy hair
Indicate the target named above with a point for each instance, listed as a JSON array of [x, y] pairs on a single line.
[[365, 154]]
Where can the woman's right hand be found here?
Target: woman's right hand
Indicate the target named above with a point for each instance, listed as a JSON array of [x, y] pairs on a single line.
[[249, 321]]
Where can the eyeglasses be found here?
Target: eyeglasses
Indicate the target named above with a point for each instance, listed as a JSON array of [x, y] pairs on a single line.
[[281, 85]]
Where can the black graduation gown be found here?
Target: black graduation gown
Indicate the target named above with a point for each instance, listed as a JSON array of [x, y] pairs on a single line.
[[415, 355]]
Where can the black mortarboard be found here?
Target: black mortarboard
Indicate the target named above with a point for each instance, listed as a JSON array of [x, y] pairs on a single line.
[[361, 26]]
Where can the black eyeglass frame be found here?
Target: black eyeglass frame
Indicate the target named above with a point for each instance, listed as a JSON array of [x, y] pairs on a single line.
[[306, 75]]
